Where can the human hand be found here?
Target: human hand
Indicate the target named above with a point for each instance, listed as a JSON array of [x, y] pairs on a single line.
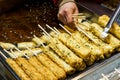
[[65, 13]]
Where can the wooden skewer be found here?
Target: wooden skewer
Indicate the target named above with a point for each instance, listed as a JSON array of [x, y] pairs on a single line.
[[75, 15], [79, 17], [43, 30], [82, 30], [26, 56], [56, 30], [39, 40], [79, 29], [11, 55], [49, 37], [20, 52], [51, 28], [18, 49], [42, 44], [78, 14], [117, 70], [65, 29], [83, 24], [3, 55], [31, 50], [106, 78], [45, 33]]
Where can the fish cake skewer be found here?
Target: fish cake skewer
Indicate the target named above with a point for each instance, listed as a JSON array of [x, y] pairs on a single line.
[[17, 69], [76, 47], [108, 49], [66, 54], [95, 50], [57, 71], [68, 69], [64, 38], [42, 69], [97, 30], [63, 51], [29, 69], [49, 52]]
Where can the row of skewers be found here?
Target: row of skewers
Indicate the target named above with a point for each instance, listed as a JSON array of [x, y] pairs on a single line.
[[57, 54]]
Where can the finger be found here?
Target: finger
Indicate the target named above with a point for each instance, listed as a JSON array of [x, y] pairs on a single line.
[[70, 23], [61, 17], [68, 16], [76, 10]]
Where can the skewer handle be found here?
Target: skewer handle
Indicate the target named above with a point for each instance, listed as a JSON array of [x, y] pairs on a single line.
[[106, 78], [3, 55]]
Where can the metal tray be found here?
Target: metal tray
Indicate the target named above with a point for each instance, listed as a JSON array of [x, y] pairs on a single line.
[[7, 73], [95, 71]]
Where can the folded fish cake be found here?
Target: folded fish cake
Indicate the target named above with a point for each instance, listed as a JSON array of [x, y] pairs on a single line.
[[29, 69], [96, 51], [17, 69], [79, 49], [67, 55], [57, 71], [68, 69], [107, 48], [63, 52], [42, 69]]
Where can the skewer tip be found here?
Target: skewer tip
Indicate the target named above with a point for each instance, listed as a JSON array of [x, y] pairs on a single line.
[[3, 55]]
